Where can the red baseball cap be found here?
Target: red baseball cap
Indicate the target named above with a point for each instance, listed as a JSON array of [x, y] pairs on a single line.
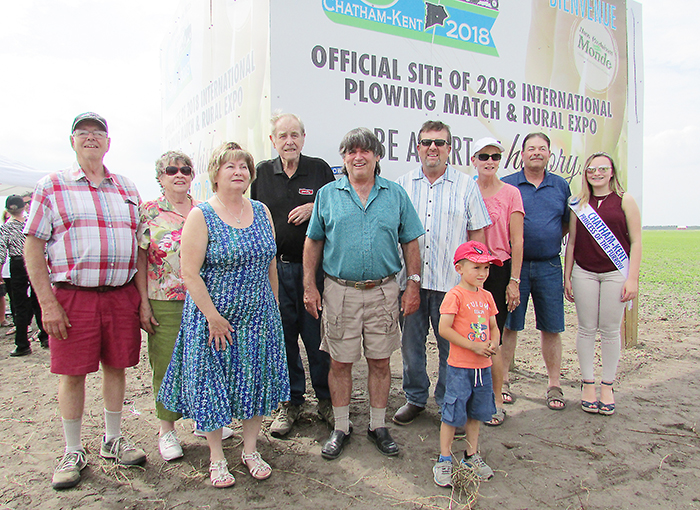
[[475, 251]]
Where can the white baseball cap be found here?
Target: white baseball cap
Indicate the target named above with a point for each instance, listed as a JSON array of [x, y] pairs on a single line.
[[486, 142]]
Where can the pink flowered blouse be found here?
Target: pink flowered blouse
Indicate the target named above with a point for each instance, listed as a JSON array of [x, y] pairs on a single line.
[[159, 234]]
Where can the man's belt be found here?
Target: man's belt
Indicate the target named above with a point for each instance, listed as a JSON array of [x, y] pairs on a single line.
[[286, 259], [99, 288], [363, 285]]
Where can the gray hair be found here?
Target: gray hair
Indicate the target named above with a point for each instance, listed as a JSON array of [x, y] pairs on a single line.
[[363, 139], [278, 115], [169, 156]]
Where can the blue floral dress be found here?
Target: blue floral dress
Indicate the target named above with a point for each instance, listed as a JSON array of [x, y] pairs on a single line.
[[250, 377]]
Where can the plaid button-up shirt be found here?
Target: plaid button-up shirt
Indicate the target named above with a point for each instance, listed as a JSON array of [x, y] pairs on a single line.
[[90, 229], [449, 208]]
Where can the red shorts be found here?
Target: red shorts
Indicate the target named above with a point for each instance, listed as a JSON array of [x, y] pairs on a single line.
[[105, 327]]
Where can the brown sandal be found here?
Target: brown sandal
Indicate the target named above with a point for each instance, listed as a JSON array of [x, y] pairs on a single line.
[[508, 397], [555, 395]]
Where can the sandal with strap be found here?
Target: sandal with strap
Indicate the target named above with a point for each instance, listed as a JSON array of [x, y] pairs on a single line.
[[555, 396], [589, 407], [219, 474], [259, 469], [508, 397], [498, 418], [603, 408]]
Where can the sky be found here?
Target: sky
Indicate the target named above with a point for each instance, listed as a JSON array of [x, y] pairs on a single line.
[[63, 57]]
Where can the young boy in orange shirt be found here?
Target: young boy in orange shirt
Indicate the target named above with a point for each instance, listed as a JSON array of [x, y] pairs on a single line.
[[468, 322]]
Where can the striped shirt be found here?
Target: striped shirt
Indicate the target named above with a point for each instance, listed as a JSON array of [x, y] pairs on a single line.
[[11, 239], [90, 229], [449, 208]]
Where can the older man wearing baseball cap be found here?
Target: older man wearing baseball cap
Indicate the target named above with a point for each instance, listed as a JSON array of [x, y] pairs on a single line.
[[86, 219]]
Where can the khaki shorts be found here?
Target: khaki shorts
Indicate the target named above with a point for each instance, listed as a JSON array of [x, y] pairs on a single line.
[[353, 319]]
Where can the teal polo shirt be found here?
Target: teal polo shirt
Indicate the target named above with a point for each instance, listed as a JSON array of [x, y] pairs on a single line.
[[362, 242]]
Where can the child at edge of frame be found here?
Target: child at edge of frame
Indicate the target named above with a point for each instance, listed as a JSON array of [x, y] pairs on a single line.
[[468, 322]]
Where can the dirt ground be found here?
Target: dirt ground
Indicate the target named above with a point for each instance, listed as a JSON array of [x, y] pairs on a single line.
[[645, 456]]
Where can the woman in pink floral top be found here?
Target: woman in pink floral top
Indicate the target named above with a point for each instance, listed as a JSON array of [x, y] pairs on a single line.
[[159, 280]]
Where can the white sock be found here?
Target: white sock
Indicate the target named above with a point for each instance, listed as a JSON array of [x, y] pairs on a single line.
[[377, 417], [71, 432], [113, 425], [342, 418]]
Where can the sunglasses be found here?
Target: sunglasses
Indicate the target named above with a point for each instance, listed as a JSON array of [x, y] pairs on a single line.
[[427, 142], [173, 170], [485, 157]]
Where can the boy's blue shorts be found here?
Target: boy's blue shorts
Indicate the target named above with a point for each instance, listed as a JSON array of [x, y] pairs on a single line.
[[468, 393]]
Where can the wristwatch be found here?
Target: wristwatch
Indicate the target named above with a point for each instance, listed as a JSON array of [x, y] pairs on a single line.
[[516, 280], [415, 278]]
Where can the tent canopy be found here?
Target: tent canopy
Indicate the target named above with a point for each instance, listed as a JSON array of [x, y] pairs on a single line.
[[17, 178]]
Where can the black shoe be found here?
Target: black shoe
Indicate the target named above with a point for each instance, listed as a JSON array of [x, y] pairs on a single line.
[[21, 352], [334, 446], [383, 441], [407, 413]]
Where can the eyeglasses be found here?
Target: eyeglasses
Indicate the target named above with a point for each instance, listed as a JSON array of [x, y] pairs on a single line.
[[602, 169], [485, 157], [427, 142], [173, 170], [84, 133]]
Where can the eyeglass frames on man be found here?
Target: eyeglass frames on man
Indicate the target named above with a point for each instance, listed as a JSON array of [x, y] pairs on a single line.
[[427, 142], [84, 133]]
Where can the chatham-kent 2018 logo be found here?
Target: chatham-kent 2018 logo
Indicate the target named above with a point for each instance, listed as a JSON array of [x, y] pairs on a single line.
[[464, 24]]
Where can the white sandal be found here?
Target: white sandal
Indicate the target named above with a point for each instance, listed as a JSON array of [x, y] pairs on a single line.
[[259, 469], [219, 474]]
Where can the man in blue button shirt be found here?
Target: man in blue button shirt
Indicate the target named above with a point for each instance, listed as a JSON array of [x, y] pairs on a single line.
[[356, 227], [545, 199]]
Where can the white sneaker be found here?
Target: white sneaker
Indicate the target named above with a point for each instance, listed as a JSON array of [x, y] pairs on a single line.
[[169, 446], [442, 473], [475, 462], [226, 433]]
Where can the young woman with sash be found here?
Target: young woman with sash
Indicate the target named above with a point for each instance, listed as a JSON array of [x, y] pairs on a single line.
[[601, 272]]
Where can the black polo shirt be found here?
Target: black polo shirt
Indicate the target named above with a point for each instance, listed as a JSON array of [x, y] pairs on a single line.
[[281, 194]]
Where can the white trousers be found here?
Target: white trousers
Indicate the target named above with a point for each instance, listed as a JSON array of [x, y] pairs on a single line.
[[599, 309]]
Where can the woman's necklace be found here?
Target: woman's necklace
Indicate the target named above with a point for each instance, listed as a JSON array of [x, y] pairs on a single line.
[[602, 199], [238, 220]]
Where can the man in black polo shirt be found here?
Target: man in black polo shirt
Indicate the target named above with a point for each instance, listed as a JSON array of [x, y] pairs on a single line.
[[288, 186]]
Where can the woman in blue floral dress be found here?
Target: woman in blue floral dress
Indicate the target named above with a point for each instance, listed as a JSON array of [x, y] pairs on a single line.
[[229, 359]]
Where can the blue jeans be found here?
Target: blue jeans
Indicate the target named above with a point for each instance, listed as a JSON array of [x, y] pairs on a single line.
[[544, 281], [297, 321], [416, 382]]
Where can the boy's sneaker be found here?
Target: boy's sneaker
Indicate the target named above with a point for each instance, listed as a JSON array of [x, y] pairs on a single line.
[[442, 473], [121, 450], [475, 462], [67, 473]]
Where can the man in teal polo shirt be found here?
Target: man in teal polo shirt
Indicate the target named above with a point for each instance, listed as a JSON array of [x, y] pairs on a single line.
[[356, 227]]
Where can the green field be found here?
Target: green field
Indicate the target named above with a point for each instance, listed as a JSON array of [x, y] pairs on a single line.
[[669, 280]]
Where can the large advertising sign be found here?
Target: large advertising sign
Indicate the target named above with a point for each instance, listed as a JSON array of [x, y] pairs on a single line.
[[483, 67], [216, 80]]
